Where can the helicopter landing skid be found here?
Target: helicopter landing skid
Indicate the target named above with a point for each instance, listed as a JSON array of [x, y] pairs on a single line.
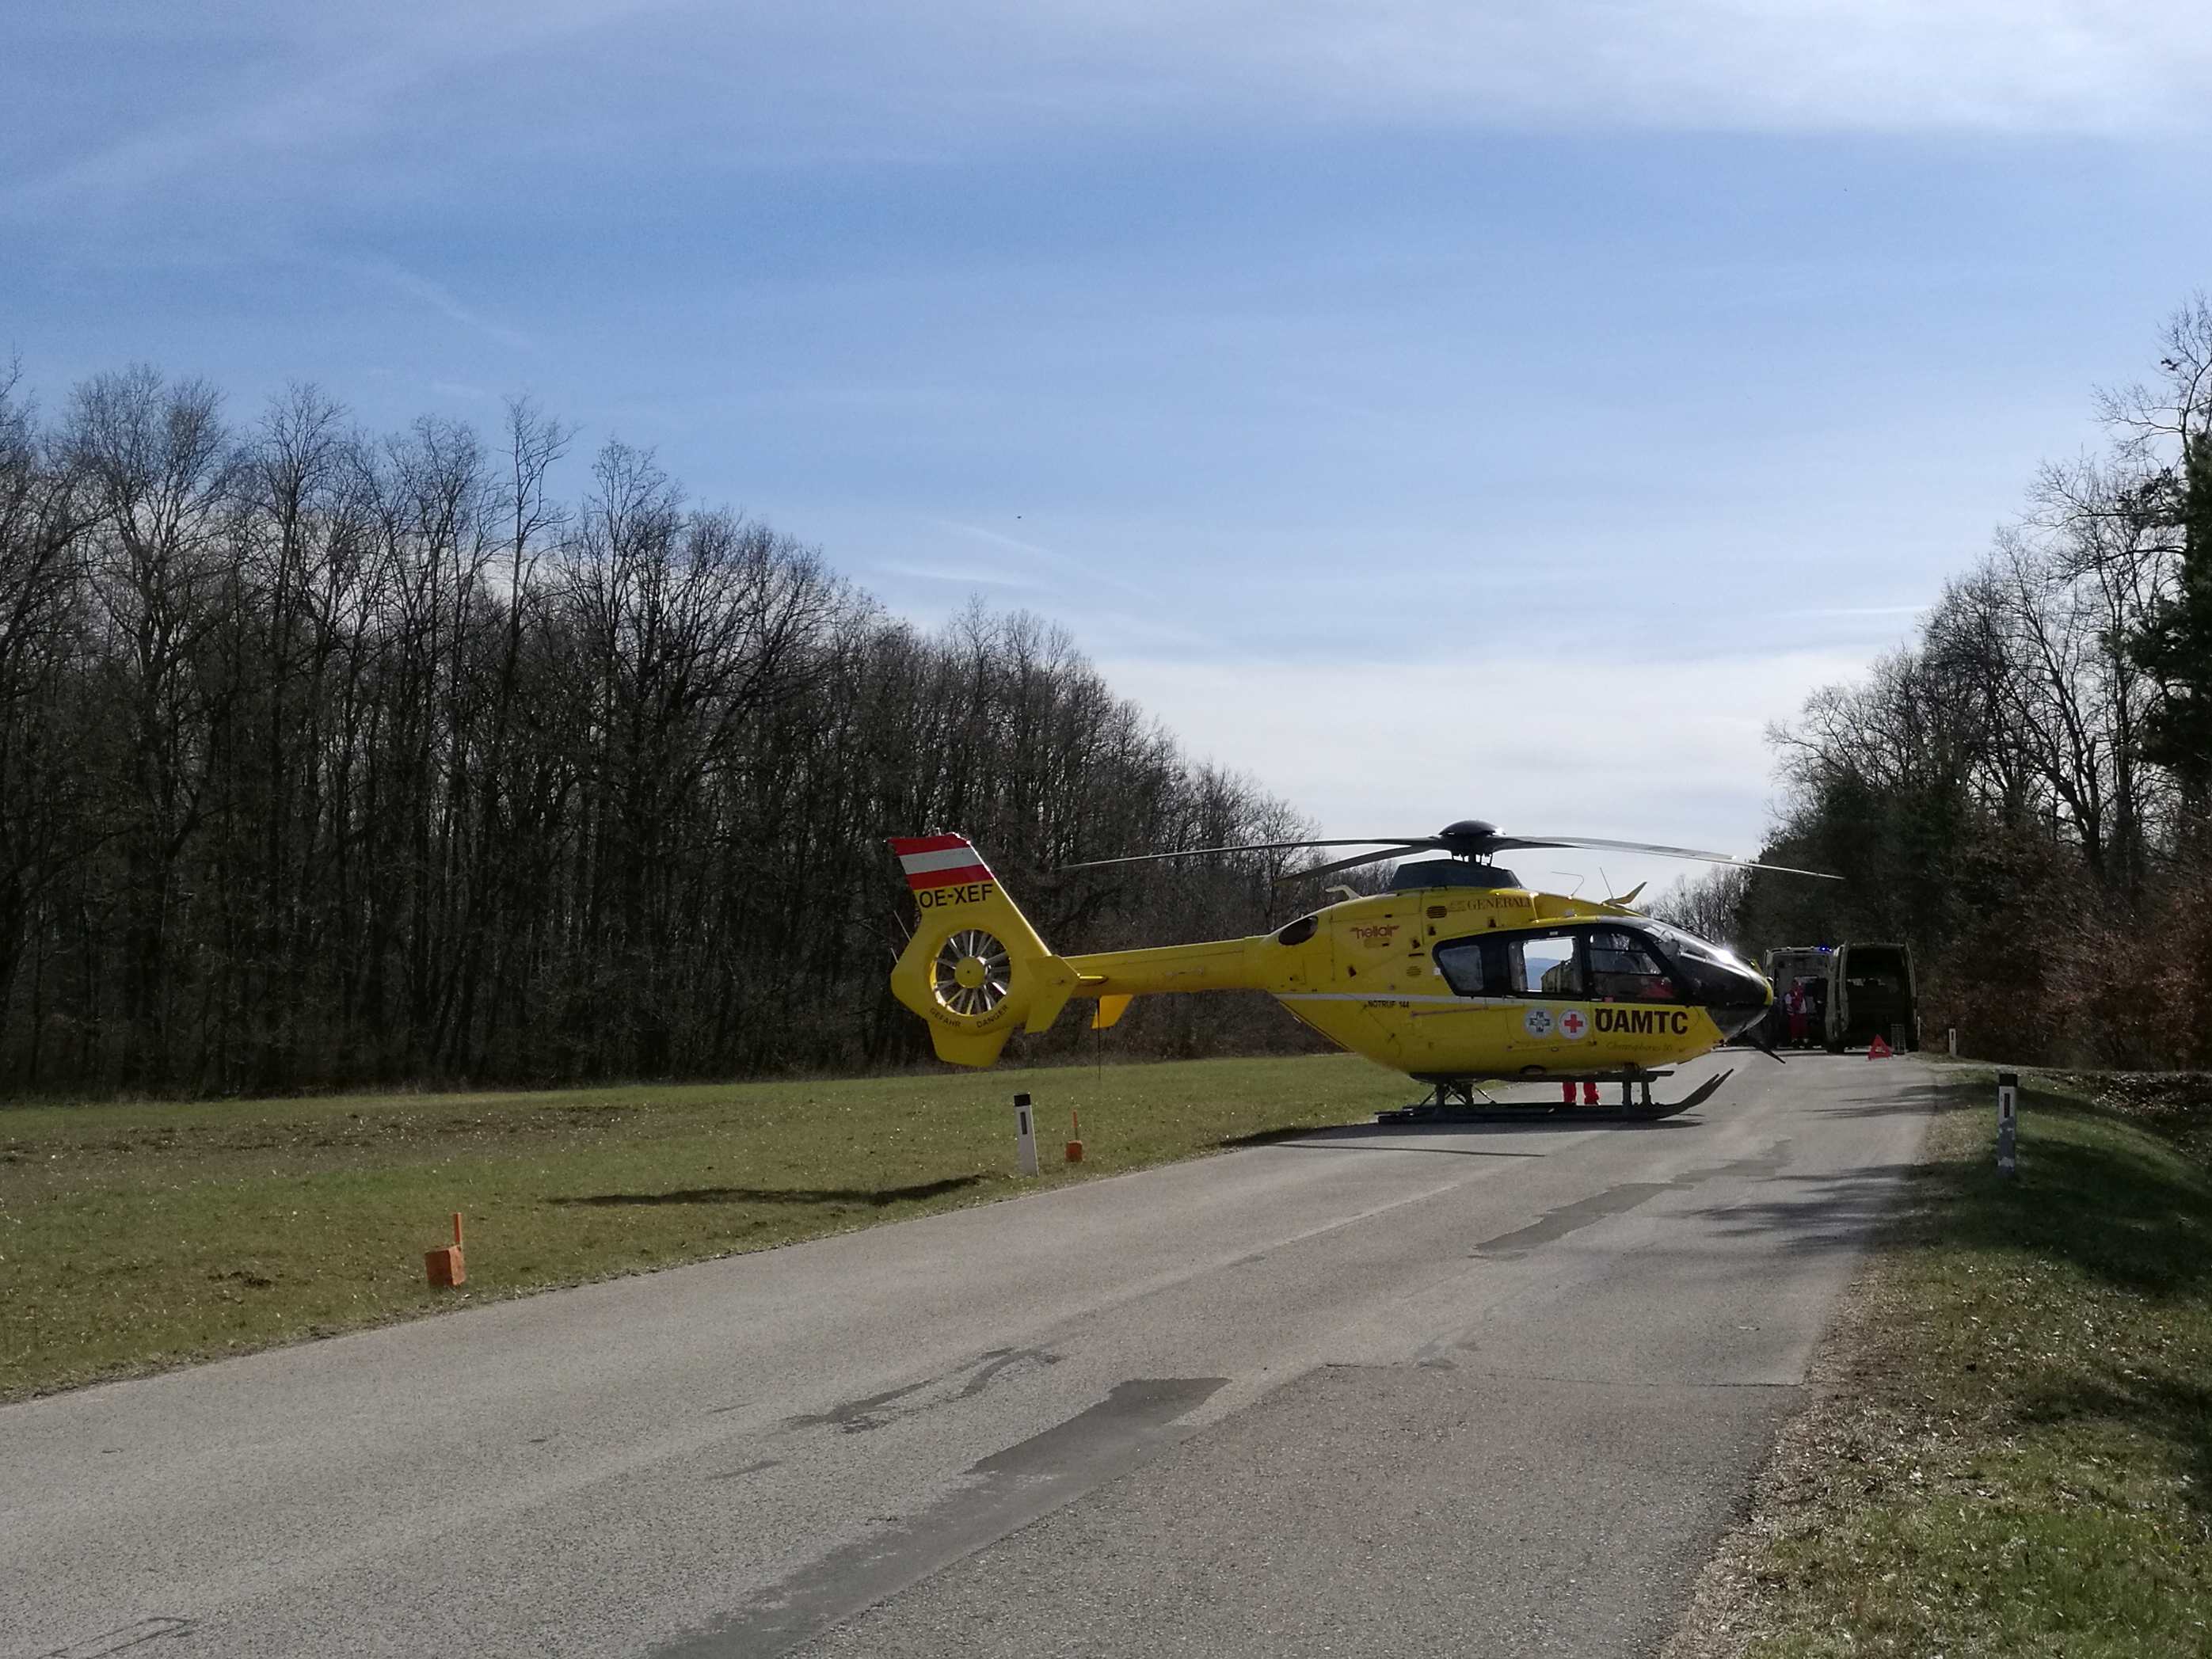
[[1455, 1102]]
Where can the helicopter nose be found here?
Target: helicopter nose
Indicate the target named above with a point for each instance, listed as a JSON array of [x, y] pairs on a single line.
[[1741, 1004]]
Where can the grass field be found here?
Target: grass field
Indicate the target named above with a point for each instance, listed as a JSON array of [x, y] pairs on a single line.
[[2018, 1456], [138, 1237]]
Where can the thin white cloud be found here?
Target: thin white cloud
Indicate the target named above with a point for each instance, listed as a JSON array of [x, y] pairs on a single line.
[[386, 57], [879, 79], [2015, 65], [1167, 630], [1856, 610], [435, 295], [965, 576], [998, 538], [1087, 570]]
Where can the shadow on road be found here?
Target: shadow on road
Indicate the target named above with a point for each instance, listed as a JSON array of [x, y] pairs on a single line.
[[2104, 1208], [1395, 1137], [877, 1197], [1327, 1142], [1822, 1212], [1886, 1105]]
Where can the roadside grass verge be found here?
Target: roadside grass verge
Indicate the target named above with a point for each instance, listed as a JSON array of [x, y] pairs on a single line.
[[2015, 1455], [137, 1236]]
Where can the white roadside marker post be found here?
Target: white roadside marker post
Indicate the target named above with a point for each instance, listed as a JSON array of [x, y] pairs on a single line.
[[1951, 1040], [1025, 1135], [2008, 1092]]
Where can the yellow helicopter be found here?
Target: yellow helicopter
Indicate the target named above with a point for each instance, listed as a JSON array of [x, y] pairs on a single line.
[[1457, 975]]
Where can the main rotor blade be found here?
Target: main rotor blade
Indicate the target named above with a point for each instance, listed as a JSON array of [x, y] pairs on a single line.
[[1784, 870], [1255, 847], [1353, 863], [1506, 841]]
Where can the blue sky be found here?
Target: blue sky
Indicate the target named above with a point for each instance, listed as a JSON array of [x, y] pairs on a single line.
[[1431, 408]]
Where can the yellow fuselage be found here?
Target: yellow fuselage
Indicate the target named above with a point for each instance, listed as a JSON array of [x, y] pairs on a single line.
[[1363, 973], [1367, 980]]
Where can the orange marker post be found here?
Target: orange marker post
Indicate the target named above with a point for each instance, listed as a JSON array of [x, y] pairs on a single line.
[[446, 1266], [1075, 1137]]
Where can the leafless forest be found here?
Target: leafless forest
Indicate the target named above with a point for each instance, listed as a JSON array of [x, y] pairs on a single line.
[[2021, 792], [328, 758]]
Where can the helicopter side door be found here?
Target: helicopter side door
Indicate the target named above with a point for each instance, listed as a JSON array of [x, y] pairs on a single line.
[[1465, 1037], [1554, 1027], [1533, 988], [1573, 998]]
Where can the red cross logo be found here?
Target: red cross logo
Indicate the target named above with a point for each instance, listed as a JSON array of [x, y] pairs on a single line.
[[1572, 1023]]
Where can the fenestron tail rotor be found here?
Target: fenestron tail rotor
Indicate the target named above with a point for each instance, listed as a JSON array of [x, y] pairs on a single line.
[[972, 972]]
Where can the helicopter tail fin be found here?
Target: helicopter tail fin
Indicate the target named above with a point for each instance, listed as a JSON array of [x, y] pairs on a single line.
[[974, 968]]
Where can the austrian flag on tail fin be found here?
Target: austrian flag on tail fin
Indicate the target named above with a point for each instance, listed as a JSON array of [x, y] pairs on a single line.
[[939, 860]]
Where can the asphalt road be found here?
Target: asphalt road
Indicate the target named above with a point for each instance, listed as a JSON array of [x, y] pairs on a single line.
[[1483, 1391]]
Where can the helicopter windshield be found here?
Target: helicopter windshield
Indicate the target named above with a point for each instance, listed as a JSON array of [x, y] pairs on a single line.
[[1636, 960], [1719, 976], [1624, 968]]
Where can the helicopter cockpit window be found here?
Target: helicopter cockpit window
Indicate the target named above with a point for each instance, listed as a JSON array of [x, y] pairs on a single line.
[[1546, 965], [1477, 967], [1550, 966], [1622, 970]]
